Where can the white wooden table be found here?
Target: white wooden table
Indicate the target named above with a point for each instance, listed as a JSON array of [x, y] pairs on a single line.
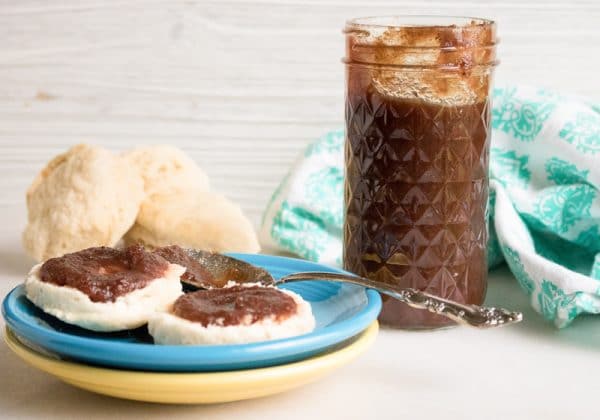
[[242, 86]]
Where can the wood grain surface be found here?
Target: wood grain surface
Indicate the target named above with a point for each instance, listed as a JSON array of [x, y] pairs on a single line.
[[241, 85]]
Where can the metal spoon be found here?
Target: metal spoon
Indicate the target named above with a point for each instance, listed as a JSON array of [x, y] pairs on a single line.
[[224, 268]]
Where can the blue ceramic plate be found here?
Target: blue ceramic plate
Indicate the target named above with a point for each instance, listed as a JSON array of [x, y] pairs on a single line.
[[341, 312]]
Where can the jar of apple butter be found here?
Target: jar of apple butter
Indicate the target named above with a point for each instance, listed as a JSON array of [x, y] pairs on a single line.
[[416, 157]]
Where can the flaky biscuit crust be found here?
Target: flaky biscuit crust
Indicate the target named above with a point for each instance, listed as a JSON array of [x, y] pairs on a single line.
[[166, 170], [201, 220], [82, 198]]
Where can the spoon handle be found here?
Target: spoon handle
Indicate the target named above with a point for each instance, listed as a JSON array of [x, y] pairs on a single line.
[[472, 315]]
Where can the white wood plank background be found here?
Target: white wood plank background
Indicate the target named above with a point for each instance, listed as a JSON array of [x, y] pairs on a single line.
[[241, 85]]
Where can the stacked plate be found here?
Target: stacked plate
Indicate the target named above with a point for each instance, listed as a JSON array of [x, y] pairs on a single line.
[[129, 365]]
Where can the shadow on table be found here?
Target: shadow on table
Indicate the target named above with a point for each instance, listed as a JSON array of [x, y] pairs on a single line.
[[503, 290]]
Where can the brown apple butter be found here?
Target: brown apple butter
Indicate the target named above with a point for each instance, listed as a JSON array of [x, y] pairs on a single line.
[[416, 155], [237, 305], [195, 272], [104, 273]]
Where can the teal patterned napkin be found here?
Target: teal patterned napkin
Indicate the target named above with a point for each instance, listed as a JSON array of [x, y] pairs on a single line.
[[544, 217]]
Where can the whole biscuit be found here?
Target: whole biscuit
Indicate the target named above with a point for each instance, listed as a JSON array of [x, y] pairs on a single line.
[[167, 328], [131, 310], [201, 220], [85, 197], [166, 170]]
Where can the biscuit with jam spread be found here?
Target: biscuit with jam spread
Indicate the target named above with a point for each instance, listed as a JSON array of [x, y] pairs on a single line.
[[234, 314], [104, 289], [85, 197]]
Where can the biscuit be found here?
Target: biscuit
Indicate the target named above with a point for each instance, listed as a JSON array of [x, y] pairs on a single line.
[[167, 170], [201, 220], [83, 198], [128, 311], [167, 328]]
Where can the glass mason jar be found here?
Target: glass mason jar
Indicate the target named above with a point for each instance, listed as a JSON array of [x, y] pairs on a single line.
[[416, 157]]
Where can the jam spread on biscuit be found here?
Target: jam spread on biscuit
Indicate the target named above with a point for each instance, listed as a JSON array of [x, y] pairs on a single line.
[[195, 272], [237, 305], [105, 273]]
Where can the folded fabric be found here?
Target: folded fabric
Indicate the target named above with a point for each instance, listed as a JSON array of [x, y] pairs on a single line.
[[544, 213]]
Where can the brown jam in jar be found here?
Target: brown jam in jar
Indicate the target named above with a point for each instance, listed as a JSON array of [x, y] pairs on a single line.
[[417, 146]]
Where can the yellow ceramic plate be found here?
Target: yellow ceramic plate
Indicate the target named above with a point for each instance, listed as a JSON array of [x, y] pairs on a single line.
[[196, 388]]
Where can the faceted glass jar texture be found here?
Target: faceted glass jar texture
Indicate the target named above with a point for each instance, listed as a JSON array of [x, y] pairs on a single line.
[[416, 154]]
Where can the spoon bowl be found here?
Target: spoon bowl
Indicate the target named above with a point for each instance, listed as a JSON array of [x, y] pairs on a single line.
[[224, 269]]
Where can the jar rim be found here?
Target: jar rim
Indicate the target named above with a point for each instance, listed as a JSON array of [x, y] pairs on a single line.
[[418, 21], [448, 43], [449, 68]]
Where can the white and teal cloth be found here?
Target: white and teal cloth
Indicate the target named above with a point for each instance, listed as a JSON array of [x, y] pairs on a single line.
[[544, 218]]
